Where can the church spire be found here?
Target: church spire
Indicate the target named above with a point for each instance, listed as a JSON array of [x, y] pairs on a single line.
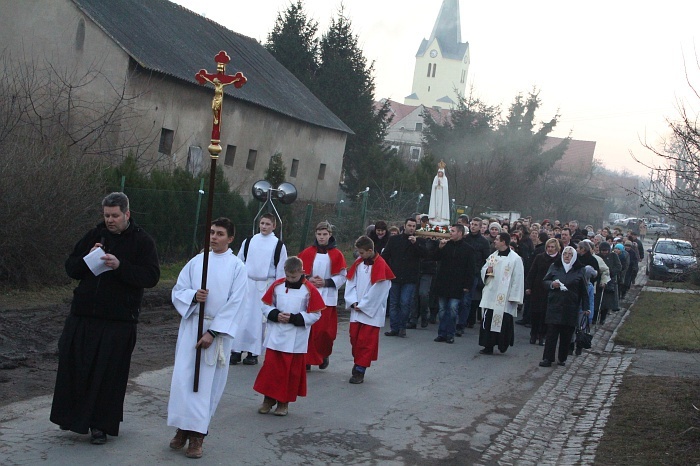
[[448, 29]]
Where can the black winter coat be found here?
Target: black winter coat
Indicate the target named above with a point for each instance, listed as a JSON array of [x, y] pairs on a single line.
[[533, 281], [563, 306], [115, 294], [481, 247], [404, 257], [456, 272]]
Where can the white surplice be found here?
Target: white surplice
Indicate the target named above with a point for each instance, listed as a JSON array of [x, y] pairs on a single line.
[[261, 270], [505, 289], [226, 282], [322, 268], [373, 297], [283, 336]]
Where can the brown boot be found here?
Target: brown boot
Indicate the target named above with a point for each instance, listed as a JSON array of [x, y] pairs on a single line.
[[282, 409], [194, 449], [180, 439], [267, 405]]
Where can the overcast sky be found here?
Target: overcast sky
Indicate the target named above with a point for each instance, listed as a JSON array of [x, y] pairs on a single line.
[[614, 70]]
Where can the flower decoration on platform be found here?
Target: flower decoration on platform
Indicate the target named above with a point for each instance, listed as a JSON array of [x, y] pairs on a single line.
[[435, 229]]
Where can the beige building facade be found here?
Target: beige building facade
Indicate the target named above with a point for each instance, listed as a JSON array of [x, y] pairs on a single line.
[[113, 48]]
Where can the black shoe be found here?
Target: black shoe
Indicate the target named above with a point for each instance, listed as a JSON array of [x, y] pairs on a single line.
[[393, 333], [459, 332], [411, 326], [449, 340], [402, 333], [308, 367], [64, 427], [528, 325], [470, 325], [97, 437], [357, 378], [423, 322], [541, 342], [235, 358], [545, 363], [533, 340], [250, 360], [561, 363], [440, 339], [578, 351], [486, 351], [324, 364], [433, 320]]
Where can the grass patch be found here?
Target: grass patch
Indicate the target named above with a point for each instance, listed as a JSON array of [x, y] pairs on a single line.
[[667, 321], [653, 422], [674, 285]]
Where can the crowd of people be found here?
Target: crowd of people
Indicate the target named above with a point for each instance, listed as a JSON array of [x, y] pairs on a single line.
[[560, 278], [483, 271]]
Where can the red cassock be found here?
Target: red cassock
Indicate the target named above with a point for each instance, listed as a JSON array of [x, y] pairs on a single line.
[[325, 331], [283, 374]]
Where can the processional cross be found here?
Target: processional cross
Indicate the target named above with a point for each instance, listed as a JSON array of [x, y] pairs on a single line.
[[220, 80]]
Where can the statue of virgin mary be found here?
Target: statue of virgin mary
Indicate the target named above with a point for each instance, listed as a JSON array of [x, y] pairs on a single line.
[[439, 210]]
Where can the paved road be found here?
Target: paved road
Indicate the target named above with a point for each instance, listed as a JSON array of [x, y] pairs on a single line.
[[422, 402]]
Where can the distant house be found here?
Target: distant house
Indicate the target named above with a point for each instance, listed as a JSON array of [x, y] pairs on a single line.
[[152, 49]]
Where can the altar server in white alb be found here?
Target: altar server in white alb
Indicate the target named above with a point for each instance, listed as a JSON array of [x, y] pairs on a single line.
[[264, 255], [291, 306], [503, 291], [224, 298]]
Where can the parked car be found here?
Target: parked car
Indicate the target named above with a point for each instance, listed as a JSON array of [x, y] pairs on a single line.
[[659, 228], [671, 259]]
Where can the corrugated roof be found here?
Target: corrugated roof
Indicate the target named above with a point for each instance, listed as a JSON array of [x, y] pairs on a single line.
[[170, 39]]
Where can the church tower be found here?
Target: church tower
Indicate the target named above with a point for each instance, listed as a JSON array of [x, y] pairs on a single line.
[[442, 62]]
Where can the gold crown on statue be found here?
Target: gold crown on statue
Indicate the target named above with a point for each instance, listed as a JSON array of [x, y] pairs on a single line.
[[441, 165]]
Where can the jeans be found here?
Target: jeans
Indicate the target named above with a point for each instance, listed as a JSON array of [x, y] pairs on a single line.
[[448, 316], [465, 305], [400, 304]]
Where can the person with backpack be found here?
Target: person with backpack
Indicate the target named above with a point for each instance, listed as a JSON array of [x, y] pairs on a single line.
[[264, 255]]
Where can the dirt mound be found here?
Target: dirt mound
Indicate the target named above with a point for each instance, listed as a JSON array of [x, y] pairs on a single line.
[[29, 344]]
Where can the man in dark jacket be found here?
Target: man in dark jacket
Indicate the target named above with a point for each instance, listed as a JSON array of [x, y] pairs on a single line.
[[100, 332], [470, 302], [454, 278], [403, 253]]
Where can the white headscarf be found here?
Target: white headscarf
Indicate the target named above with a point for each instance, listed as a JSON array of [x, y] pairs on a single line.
[[568, 266]]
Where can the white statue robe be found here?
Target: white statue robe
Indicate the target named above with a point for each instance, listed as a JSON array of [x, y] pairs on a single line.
[[505, 289], [439, 209], [226, 282], [261, 270]]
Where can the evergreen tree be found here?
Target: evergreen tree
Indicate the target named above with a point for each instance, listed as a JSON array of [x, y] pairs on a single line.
[[294, 44], [276, 170], [345, 85]]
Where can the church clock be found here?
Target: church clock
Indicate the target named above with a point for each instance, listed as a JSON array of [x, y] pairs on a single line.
[[433, 53]]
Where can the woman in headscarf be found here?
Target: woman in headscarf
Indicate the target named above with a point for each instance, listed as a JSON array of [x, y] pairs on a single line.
[[568, 293], [619, 249], [537, 292]]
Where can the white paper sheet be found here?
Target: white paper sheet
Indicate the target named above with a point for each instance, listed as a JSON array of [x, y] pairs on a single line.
[[97, 265]]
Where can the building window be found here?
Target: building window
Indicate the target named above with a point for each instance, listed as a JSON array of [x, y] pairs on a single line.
[[322, 171], [194, 160], [415, 153], [463, 76], [434, 67], [430, 65], [419, 126], [80, 35], [230, 155], [395, 148], [252, 156], [166, 141], [294, 169]]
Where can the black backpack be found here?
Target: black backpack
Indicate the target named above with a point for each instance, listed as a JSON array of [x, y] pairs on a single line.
[[278, 250]]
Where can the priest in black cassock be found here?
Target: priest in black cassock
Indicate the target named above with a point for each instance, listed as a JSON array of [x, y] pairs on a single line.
[[100, 333]]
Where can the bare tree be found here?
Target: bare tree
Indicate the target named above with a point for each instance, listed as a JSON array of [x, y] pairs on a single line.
[[56, 136]]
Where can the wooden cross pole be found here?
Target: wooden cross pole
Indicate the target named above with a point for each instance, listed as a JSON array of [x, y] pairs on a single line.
[[219, 79]]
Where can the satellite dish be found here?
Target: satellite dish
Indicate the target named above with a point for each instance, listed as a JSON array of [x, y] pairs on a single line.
[[261, 190], [286, 193]]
